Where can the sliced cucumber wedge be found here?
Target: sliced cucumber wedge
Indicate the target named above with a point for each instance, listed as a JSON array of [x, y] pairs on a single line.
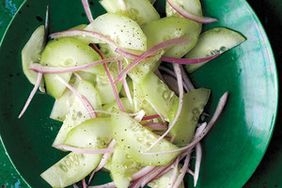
[[93, 133], [169, 28], [77, 112], [212, 42], [124, 31], [71, 169], [122, 168], [139, 100], [66, 52], [192, 6], [158, 95], [31, 52], [61, 106], [141, 11], [193, 106], [135, 140]]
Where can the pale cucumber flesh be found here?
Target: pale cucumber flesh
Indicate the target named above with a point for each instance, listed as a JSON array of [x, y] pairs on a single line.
[[66, 52], [93, 133], [214, 42], [193, 106], [158, 95], [134, 140], [170, 28], [125, 32], [31, 53], [141, 11], [71, 169], [192, 6]]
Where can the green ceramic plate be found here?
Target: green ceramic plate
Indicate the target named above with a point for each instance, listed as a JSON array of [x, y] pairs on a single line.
[[232, 150]]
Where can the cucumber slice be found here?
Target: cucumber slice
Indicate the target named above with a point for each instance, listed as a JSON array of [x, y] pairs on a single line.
[[159, 96], [214, 41], [139, 100], [66, 52], [141, 11], [32, 51], [88, 77], [193, 106], [104, 87], [93, 133], [134, 139], [71, 169], [77, 113], [113, 107], [122, 168], [61, 106], [192, 6], [123, 30], [145, 67], [165, 180], [169, 28]]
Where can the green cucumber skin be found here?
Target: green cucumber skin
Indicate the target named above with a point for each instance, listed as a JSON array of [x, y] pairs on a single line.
[[170, 28], [192, 6], [214, 41], [134, 139], [125, 32], [141, 11], [66, 52], [93, 133], [158, 95], [193, 106], [71, 169], [31, 53]]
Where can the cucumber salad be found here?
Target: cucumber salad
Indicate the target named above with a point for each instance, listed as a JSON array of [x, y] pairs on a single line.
[[123, 94]]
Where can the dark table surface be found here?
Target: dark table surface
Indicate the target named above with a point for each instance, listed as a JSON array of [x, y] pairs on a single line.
[[269, 172]]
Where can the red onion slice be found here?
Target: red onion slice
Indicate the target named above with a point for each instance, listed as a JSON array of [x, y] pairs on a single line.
[[125, 85], [83, 33], [31, 95], [190, 16], [155, 126], [82, 150], [187, 61], [150, 117], [87, 10], [171, 73], [197, 163], [142, 172], [114, 87], [150, 52], [183, 171], [58, 70], [84, 185]]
